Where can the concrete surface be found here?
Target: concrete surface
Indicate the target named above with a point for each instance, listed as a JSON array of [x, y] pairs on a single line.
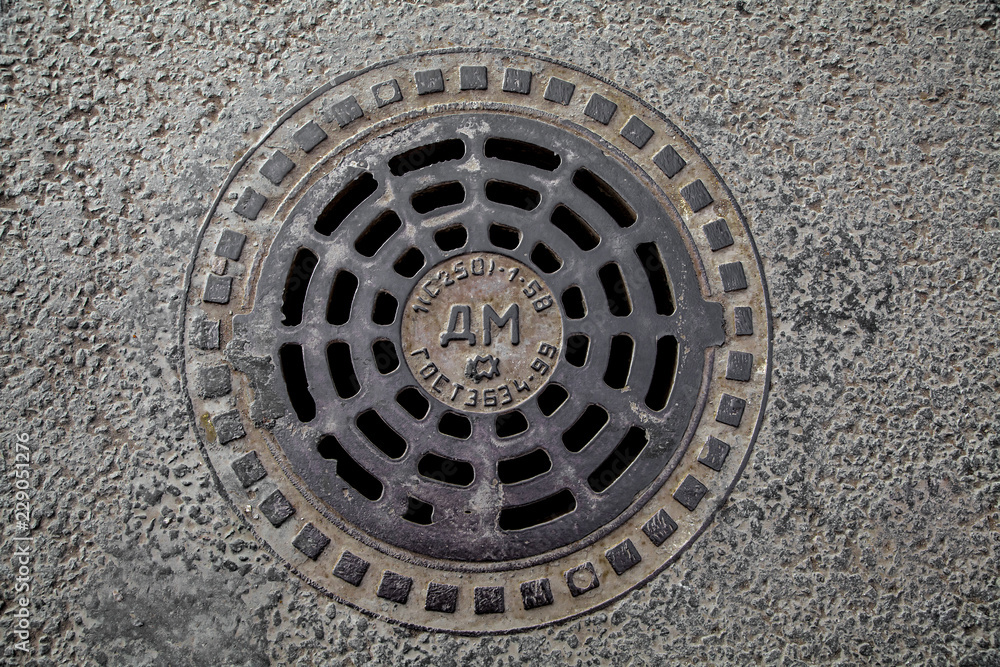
[[862, 142]]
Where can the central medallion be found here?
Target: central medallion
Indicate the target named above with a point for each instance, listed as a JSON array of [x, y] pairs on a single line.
[[482, 332]]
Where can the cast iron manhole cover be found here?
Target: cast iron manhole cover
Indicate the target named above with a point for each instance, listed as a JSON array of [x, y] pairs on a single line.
[[476, 341]]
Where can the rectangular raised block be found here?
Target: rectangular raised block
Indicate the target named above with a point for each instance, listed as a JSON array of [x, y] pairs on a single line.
[[309, 136], [659, 527], [696, 195], [442, 598], [489, 599], [743, 320], [472, 78], [600, 109], [230, 244], [429, 81], [740, 366], [730, 410], [217, 289], [537, 593], [669, 161], [277, 167], [228, 427], [517, 81], [394, 587], [559, 91], [714, 453], [733, 277], [623, 557], [276, 508], [250, 203], [690, 492], [310, 541], [351, 568], [718, 235], [248, 469], [637, 132]]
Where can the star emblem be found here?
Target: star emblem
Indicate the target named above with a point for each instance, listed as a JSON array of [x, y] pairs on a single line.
[[482, 368]]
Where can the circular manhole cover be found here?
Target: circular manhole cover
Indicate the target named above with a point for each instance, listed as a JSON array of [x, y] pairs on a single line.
[[476, 341]]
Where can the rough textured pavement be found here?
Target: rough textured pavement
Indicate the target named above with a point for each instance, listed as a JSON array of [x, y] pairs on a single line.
[[863, 142]]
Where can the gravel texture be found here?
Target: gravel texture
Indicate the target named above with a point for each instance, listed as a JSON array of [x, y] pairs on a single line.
[[863, 142]]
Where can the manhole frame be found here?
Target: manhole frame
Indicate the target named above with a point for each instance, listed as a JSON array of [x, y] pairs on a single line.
[[522, 622]]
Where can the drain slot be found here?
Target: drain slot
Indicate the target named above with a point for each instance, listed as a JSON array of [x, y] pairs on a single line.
[[620, 458], [438, 196], [663, 373], [348, 199], [426, 156], [299, 275], [605, 196], [545, 258], [573, 226], [619, 361], [418, 512], [522, 152], [511, 424], [504, 237], [451, 238], [577, 347], [525, 467], [378, 233], [345, 380], [350, 470], [384, 309], [652, 264], [455, 425], [551, 399], [411, 400], [574, 305], [586, 428], [381, 434], [615, 290], [541, 511], [345, 285], [409, 263], [445, 470], [293, 369], [386, 359], [513, 194]]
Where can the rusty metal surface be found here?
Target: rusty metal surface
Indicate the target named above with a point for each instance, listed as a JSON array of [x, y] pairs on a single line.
[[421, 496]]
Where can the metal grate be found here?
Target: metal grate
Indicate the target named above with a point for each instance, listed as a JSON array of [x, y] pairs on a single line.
[[484, 467]]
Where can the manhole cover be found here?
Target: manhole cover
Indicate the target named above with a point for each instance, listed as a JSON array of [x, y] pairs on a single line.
[[476, 341]]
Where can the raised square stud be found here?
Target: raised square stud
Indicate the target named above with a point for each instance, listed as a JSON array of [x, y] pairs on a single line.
[[386, 92], [472, 78], [637, 132], [346, 111], [714, 453], [696, 195], [351, 568], [517, 81], [690, 492], [537, 593], [623, 557], [743, 320], [310, 541], [248, 469], [717, 233], [277, 167], [442, 598], [600, 109], [581, 579], [394, 587], [217, 289], [429, 81], [730, 410], [309, 136], [733, 278], [669, 161], [489, 599], [230, 244], [659, 528], [740, 366], [250, 203], [276, 508], [205, 333], [228, 427], [559, 91], [215, 381]]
